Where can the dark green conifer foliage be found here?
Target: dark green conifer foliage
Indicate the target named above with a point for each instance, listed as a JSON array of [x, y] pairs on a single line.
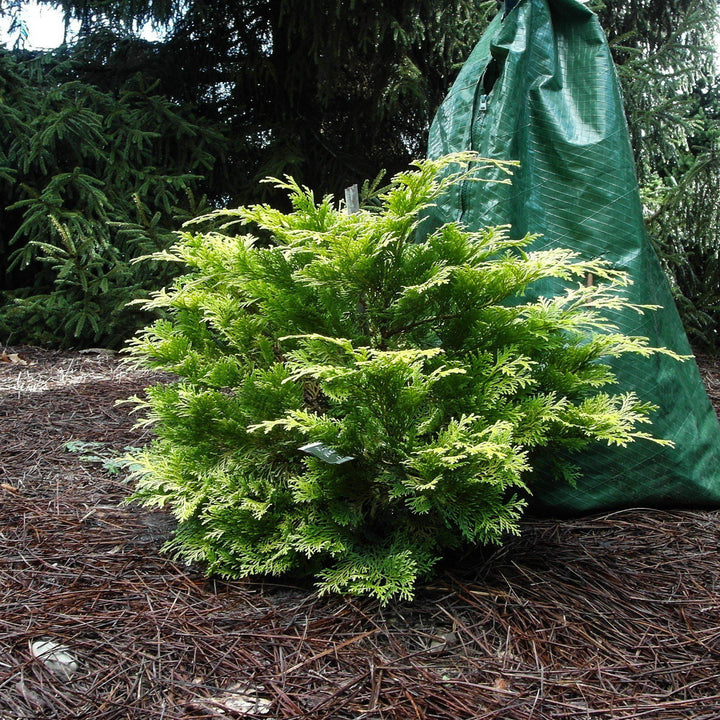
[[666, 55], [431, 384], [331, 91], [324, 90], [90, 181]]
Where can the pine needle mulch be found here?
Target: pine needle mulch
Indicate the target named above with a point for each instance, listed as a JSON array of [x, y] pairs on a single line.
[[614, 616]]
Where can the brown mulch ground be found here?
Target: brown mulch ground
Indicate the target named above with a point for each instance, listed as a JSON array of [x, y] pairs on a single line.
[[608, 617]]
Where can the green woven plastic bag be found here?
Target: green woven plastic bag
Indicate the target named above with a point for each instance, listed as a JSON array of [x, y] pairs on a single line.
[[540, 88]]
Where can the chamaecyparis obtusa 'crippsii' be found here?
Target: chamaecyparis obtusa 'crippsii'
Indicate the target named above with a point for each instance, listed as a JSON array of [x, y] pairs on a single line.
[[426, 390]]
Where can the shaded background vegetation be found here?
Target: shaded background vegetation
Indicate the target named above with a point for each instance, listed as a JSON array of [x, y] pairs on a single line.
[[108, 143]]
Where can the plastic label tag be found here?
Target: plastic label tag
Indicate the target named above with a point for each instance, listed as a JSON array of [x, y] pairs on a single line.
[[326, 454]]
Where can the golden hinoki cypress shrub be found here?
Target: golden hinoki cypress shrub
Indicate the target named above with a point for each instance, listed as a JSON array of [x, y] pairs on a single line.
[[353, 403]]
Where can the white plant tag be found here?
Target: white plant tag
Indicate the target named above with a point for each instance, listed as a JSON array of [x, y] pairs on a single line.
[[326, 454]]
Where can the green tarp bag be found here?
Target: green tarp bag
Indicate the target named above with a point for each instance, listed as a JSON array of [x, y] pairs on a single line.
[[540, 88]]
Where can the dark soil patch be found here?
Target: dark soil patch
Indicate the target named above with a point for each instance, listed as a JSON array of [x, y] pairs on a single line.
[[613, 617]]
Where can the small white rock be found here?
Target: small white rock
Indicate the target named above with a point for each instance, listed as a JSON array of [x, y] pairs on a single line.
[[237, 699], [56, 657]]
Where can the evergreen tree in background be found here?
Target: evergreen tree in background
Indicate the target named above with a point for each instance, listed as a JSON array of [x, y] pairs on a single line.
[[334, 92], [666, 54], [90, 181], [330, 92]]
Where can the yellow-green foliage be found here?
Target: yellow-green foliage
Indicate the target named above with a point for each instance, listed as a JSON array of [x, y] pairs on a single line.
[[420, 361]]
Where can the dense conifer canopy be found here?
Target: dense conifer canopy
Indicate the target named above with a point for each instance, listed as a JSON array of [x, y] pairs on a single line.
[[334, 92]]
